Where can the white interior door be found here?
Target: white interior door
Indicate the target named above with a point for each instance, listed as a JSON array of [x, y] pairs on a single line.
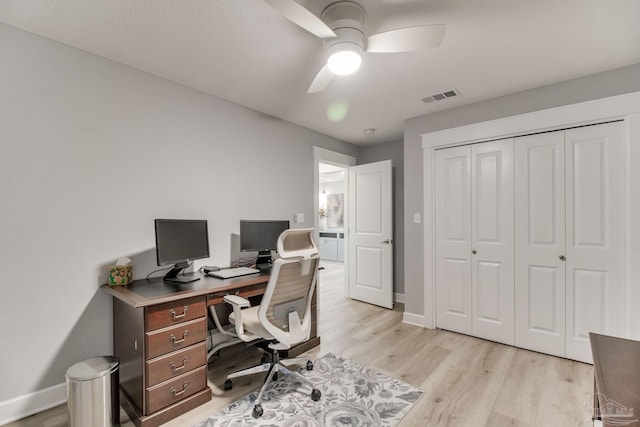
[[492, 282], [595, 266], [453, 239], [371, 233], [540, 243]]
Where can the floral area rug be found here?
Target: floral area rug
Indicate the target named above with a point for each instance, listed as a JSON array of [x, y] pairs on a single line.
[[352, 395]]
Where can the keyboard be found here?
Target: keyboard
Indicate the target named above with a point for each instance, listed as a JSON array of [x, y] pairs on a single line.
[[233, 272]]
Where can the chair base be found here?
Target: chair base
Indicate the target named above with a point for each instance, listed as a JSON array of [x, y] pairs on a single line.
[[276, 365]]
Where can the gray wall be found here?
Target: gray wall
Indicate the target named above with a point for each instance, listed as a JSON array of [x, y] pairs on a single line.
[[91, 152], [393, 151], [615, 82]]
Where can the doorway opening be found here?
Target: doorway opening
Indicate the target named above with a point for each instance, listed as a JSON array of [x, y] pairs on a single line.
[[331, 225], [331, 188]]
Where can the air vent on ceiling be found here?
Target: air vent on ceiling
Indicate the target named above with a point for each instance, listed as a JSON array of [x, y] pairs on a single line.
[[441, 96]]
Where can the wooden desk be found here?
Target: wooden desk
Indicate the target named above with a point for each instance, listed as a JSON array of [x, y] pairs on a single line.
[[160, 337], [616, 363]]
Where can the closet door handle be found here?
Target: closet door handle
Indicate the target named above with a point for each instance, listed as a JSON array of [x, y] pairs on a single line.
[[473, 251], [562, 258]]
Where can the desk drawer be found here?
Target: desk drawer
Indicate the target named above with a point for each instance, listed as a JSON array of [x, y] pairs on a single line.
[[177, 363], [175, 312], [245, 292], [167, 340], [172, 391]]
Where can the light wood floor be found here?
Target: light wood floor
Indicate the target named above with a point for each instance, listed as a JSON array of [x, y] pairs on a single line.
[[469, 382]]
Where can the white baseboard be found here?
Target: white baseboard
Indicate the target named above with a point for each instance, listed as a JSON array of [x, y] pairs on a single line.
[[413, 319], [398, 298], [31, 403]]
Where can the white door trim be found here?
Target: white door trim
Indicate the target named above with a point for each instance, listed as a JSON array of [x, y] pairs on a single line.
[[622, 107]]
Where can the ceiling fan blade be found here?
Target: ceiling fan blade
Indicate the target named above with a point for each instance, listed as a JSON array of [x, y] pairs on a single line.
[[300, 16], [321, 81], [406, 39]]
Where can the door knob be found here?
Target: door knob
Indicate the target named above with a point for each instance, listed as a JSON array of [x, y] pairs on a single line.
[[387, 241], [473, 251], [562, 258]]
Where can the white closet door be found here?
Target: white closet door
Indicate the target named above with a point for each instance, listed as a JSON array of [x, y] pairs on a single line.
[[453, 239], [596, 296], [540, 243], [492, 241]]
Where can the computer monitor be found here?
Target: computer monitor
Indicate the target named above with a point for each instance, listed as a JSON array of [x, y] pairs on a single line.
[[179, 241], [261, 236]]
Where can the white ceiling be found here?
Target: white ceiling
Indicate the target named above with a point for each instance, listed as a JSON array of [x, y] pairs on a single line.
[[245, 52]]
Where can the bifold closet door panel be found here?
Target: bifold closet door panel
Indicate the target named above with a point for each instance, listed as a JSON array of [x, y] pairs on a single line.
[[596, 291], [540, 243], [474, 240], [453, 239], [492, 281]]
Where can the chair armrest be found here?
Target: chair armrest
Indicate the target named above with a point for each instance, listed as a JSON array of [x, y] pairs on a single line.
[[236, 300], [238, 304]]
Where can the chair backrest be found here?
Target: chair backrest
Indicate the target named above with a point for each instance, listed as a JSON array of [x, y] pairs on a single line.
[[285, 310]]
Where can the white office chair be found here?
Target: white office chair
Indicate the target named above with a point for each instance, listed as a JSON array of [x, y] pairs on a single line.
[[284, 314]]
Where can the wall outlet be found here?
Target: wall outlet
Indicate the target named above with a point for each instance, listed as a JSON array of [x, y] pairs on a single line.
[[299, 217], [416, 218]]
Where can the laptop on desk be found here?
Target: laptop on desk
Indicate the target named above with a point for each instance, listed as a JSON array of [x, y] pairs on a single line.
[[233, 272]]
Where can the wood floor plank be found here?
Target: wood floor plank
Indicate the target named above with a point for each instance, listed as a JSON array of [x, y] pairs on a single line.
[[566, 388], [464, 388], [520, 393], [500, 420]]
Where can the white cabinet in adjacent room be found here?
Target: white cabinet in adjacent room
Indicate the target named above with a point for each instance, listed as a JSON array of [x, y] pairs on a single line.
[[341, 247], [329, 246]]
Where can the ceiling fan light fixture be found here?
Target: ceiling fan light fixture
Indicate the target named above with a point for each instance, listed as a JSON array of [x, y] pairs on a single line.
[[344, 58]]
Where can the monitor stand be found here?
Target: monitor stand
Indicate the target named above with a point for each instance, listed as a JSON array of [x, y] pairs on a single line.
[[182, 279], [172, 275], [263, 263]]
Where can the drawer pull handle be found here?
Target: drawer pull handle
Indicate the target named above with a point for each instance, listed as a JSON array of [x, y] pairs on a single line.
[[175, 316], [175, 393], [179, 368], [181, 340]]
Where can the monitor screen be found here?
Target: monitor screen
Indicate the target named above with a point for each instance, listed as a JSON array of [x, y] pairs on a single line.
[[181, 240], [261, 235]]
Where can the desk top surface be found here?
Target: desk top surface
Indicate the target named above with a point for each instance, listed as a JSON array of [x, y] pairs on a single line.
[[617, 370], [145, 292]]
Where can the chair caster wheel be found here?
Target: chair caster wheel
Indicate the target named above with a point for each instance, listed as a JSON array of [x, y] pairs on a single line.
[[228, 385], [309, 365], [315, 395], [257, 411]]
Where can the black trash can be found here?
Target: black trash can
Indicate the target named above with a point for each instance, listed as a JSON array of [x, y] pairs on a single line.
[[92, 393]]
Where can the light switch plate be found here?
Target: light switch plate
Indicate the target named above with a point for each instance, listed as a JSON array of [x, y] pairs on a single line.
[[416, 218], [299, 217]]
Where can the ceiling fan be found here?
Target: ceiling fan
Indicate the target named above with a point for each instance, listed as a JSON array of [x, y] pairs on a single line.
[[341, 26]]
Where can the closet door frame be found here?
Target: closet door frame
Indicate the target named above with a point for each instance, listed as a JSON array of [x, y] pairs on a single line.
[[622, 107]]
